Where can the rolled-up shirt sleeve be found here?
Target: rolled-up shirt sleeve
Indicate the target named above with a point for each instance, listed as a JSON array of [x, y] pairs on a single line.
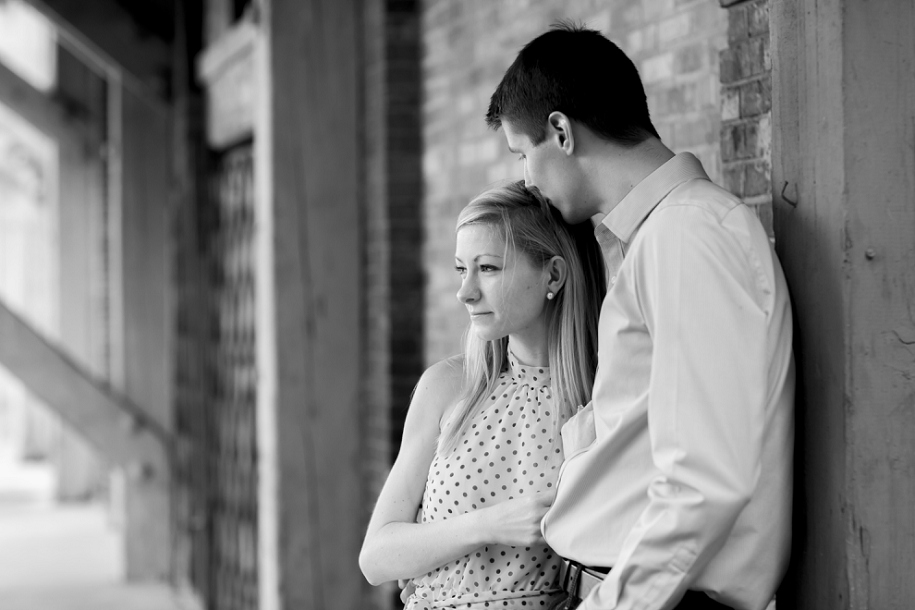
[[704, 305]]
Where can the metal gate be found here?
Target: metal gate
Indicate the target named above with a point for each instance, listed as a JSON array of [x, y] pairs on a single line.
[[216, 461]]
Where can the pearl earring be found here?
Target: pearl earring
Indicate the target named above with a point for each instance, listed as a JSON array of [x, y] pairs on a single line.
[[549, 296]]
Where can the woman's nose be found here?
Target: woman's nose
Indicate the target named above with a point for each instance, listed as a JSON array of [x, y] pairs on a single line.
[[468, 292]]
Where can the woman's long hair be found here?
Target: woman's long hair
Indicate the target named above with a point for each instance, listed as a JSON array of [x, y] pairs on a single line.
[[533, 228]]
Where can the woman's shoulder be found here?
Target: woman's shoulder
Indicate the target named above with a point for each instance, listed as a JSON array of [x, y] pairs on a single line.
[[439, 387], [445, 371]]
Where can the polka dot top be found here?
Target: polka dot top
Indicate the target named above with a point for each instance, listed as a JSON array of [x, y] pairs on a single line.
[[507, 452]]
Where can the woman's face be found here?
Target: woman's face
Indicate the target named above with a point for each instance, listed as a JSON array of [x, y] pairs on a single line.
[[504, 292]]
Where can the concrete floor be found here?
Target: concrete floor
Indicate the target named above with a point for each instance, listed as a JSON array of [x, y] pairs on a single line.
[[64, 557]]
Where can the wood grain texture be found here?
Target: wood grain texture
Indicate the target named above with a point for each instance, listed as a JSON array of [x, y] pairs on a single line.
[[309, 298], [144, 346], [843, 132]]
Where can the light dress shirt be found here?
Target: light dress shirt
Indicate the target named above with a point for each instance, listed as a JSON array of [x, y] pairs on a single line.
[[678, 474]]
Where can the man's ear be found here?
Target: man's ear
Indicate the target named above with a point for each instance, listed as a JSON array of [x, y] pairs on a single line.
[[559, 127], [558, 270]]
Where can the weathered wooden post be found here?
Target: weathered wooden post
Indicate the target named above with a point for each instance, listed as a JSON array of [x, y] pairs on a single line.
[[309, 328], [844, 178]]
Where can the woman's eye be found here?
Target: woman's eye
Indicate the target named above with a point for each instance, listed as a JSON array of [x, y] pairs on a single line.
[[461, 270], [488, 268]]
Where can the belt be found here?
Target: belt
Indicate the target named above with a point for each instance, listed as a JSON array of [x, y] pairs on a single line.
[[578, 580]]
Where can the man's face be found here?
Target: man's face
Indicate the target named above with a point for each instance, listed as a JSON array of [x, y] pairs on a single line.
[[549, 168]]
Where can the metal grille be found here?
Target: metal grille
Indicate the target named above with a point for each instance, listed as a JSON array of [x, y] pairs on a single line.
[[216, 465]]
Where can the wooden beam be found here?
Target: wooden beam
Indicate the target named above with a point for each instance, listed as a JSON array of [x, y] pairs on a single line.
[[309, 338], [119, 429], [141, 323], [45, 112], [106, 31], [844, 162]]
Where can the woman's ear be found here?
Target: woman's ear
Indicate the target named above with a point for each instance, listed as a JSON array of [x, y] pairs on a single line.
[[560, 129], [558, 270]]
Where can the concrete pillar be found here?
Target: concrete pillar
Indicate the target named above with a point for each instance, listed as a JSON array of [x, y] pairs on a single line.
[[844, 178]]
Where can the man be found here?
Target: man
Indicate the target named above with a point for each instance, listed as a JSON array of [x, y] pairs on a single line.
[[683, 498]]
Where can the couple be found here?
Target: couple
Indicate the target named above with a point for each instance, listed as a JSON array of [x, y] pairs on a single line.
[[671, 488]]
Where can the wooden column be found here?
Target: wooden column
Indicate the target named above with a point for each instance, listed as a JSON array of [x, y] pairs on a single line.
[[80, 258], [844, 178], [140, 310], [309, 328]]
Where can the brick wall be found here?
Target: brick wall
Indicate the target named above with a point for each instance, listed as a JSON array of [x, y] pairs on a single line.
[[468, 45], [746, 100], [393, 237]]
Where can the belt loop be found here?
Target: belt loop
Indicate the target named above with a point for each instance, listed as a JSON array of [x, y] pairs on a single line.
[[574, 575]]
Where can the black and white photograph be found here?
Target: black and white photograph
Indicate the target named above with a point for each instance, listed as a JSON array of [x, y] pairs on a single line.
[[457, 304]]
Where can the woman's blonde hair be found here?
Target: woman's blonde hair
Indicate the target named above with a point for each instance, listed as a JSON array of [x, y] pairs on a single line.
[[533, 228]]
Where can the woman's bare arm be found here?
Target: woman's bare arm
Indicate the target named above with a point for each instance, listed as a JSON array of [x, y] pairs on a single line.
[[396, 547]]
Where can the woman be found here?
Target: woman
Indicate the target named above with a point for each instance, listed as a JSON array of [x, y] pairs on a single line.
[[481, 449]]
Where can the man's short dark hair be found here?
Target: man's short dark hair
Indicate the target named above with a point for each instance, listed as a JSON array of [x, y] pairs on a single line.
[[578, 72]]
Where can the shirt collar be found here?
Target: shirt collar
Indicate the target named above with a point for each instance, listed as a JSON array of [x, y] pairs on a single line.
[[631, 212], [534, 375]]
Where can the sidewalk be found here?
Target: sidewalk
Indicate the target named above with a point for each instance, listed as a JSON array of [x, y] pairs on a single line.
[[64, 557]]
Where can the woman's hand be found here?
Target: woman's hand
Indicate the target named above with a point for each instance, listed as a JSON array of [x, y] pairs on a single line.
[[516, 522]]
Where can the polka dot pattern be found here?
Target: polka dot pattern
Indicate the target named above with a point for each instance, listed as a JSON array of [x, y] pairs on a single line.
[[507, 452]]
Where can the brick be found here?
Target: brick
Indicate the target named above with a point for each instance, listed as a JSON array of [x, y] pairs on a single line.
[[728, 144], [489, 149], [756, 97], [655, 10], [729, 66], [708, 92], [673, 28], [750, 143], [764, 137], [626, 14], [751, 56], [689, 59], [709, 21], [739, 141], [757, 179], [737, 24], [635, 43], [644, 40], [601, 21], [657, 68], [681, 99], [733, 175], [690, 135], [758, 18], [730, 103]]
